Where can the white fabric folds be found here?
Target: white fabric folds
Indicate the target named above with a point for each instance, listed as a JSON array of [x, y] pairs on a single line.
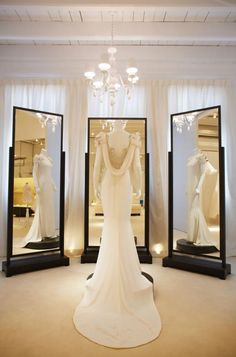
[[43, 225], [117, 309]]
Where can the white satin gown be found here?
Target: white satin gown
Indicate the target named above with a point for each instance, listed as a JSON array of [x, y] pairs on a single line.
[[118, 309], [43, 224], [198, 231]]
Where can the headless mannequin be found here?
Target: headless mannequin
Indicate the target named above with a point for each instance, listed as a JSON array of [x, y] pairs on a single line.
[[117, 309], [44, 154], [27, 198], [27, 194], [198, 167], [43, 225]]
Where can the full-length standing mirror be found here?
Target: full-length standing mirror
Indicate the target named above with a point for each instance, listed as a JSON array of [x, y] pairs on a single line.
[[93, 207], [36, 193], [196, 193]]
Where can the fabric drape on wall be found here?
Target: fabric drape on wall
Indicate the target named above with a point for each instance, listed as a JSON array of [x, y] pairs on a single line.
[[135, 107], [75, 137], [63, 97], [230, 147], [155, 100], [158, 137]]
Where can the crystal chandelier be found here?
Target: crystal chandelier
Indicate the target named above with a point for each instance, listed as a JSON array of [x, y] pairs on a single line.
[[108, 124], [48, 120], [184, 120], [108, 80]]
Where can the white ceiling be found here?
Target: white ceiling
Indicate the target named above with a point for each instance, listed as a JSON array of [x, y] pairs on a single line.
[[84, 24], [39, 29]]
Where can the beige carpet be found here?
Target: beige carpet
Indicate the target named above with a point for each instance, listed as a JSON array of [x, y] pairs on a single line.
[[198, 315]]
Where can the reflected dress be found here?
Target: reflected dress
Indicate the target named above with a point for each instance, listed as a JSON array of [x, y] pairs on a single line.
[[117, 309], [198, 231], [43, 225]]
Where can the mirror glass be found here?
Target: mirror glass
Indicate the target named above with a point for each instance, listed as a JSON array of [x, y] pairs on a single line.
[[195, 148], [138, 205], [36, 190]]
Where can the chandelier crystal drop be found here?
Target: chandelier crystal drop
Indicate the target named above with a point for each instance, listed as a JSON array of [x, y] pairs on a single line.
[[108, 79]]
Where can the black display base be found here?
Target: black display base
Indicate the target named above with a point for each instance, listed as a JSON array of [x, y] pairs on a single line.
[[47, 243], [149, 277], [90, 255], [185, 246], [19, 266], [197, 265]]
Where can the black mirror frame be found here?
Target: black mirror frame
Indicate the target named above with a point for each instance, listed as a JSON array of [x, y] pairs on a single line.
[[90, 253], [35, 260], [203, 264]]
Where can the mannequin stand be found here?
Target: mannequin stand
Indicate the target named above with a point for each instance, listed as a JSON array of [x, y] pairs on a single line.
[[186, 246], [47, 243]]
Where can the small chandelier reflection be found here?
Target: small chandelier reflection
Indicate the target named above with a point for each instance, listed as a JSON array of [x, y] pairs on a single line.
[[184, 120], [108, 80], [108, 124], [48, 120]]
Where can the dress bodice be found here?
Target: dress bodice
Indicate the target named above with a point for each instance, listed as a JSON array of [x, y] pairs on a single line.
[[43, 166], [118, 160], [198, 165]]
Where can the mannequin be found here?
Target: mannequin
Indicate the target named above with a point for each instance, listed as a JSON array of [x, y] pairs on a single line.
[[198, 167], [43, 225], [117, 309], [27, 197]]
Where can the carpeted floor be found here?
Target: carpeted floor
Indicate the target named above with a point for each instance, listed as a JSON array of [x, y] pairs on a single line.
[[198, 315]]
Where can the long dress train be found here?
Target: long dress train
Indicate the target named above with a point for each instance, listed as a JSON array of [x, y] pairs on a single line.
[[118, 309]]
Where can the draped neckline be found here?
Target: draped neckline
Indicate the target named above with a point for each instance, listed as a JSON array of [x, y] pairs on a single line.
[[133, 142]]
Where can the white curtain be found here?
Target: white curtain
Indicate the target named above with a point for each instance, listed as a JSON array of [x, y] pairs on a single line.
[[63, 97], [154, 100], [75, 138]]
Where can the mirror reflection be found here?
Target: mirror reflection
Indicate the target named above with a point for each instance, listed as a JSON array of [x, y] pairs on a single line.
[[36, 196], [96, 218], [196, 182]]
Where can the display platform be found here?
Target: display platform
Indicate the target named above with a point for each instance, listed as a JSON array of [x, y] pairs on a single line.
[[197, 265], [47, 243], [185, 246], [24, 265]]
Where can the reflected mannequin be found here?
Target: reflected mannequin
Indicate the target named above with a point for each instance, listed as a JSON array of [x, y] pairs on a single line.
[[198, 167], [35, 211], [196, 212], [118, 309], [43, 225], [27, 197]]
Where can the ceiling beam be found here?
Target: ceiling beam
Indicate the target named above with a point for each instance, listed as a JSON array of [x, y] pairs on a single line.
[[55, 31], [159, 3]]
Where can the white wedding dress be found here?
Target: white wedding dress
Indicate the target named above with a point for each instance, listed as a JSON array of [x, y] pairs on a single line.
[[118, 309], [198, 168], [43, 225]]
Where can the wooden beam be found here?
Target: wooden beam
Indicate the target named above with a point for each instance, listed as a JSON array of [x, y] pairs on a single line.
[[55, 31]]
